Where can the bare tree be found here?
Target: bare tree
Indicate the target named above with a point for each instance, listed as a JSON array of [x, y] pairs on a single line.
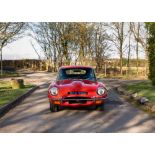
[[55, 39], [40, 32], [129, 47], [101, 45], [64, 43], [140, 34], [9, 32], [118, 39], [135, 27]]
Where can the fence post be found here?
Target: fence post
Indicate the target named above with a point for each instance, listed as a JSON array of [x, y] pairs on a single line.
[[105, 69]]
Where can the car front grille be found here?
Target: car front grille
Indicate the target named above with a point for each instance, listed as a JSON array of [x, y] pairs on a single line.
[[77, 93], [73, 100]]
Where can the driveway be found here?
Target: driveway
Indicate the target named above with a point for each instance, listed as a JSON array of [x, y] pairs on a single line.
[[33, 115]]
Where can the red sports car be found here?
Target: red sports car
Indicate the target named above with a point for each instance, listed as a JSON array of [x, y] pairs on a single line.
[[76, 86]]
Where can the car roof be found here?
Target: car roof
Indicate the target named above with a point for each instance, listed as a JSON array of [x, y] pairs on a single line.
[[63, 67]]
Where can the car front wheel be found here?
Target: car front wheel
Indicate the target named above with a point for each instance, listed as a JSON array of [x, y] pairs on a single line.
[[54, 108], [101, 107]]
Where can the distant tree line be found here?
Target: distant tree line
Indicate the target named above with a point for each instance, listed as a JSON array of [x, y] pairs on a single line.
[[111, 70], [81, 43], [66, 43]]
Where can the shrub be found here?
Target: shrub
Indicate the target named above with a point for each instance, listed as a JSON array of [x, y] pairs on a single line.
[[17, 83]]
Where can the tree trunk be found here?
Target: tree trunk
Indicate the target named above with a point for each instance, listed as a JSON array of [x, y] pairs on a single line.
[[121, 63], [137, 57], [128, 63], [105, 69], [137, 49], [121, 47], [146, 58], [55, 59]]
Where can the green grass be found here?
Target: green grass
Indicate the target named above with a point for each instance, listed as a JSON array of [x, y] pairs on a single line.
[[7, 94], [143, 89]]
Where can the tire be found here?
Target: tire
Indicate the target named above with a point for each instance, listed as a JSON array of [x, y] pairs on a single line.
[[94, 107], [54, 108], [101, 107]]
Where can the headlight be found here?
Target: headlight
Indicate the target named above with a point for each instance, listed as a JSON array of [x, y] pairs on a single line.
[[100, 91], [54, 91]]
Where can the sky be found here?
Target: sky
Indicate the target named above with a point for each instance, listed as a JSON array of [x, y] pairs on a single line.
[[21, 49]]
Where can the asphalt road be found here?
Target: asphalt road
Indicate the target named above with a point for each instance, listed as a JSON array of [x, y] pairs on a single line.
[[33, 115]]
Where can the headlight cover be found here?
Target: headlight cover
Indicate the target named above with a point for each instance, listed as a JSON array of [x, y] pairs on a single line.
[[100, 91], [54, 91]]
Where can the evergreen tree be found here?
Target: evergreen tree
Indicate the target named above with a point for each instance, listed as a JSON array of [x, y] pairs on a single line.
[[151, 50]]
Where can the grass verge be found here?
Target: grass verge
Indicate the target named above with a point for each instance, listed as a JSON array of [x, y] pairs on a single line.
[[144, 89], [8, 94]]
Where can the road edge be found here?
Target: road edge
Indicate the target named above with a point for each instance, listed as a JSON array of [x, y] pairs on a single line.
[[147, 107], [7, 107]]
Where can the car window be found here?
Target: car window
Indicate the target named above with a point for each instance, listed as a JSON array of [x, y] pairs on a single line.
[[76, 73]]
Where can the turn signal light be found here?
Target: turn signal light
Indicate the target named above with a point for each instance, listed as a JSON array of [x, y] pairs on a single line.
[[56, 102], [98, 101]]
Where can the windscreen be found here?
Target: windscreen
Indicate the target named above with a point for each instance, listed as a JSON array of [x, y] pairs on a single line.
[[76, 73]]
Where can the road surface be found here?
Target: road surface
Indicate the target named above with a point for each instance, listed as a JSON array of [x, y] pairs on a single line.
[[33, 115]]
